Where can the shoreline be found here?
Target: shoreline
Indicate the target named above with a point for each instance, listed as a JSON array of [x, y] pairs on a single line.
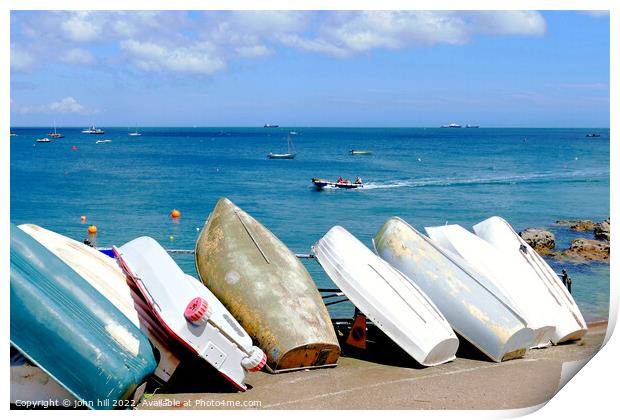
[[466, 383]]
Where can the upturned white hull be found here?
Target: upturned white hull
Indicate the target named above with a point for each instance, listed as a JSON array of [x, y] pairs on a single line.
[[477, 313], [216, 337], [394, 304], [560, 305], [524, 295], [103, 274]]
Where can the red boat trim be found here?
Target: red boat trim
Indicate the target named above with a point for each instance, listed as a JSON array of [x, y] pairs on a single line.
[[128, 272]]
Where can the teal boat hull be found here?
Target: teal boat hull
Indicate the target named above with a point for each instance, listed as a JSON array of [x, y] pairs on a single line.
[[65, 326]]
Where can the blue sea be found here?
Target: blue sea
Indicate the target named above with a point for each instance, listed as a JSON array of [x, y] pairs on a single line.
[[428, 176]]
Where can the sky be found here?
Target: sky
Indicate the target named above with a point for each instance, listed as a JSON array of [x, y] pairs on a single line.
[[310, 68]]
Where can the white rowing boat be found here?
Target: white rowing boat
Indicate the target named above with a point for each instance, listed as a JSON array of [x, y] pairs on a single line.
[[102, 272], [559, 304], [526, 295], [394, 304], [191, 314], [477, 313]]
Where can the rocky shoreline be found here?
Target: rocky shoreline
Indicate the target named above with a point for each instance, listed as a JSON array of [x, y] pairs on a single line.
[[595, 248]]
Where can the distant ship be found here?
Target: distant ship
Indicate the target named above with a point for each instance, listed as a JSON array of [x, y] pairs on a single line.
[[472, 126], [271, 126], [451, 125], [93, 130]]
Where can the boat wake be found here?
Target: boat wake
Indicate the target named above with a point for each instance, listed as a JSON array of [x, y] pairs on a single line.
[[575, 176]]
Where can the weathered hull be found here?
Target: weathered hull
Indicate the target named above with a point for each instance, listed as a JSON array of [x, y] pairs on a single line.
[[523, 294], [71, 331], [214, 335], [390, 300], [558, 303], [267, 290], [474, 311], [102, 273]]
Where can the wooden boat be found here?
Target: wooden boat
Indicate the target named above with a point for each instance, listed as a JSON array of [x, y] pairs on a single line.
[[475, 312], [384, 295], [189, 311], [289, 155], [360, 152], [267, 289], [559, 304], [524, 294], [322, 184], [72, 332], [104, 274]]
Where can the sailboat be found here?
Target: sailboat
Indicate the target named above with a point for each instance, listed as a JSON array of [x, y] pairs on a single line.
[[135, 133], [55, 135], [291, 151]]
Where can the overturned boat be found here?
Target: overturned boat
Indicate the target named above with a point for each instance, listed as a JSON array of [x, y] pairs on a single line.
[[267, 289], [384, 295], [524, 294], [559, 304], [189, 311], [104, 274], [67, 328], [480, 315]]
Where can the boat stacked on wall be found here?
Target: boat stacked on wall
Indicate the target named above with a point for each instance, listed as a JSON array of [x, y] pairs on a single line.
[[267, 289], [389, 299], [476, 312], [89, 326], [559, 306]]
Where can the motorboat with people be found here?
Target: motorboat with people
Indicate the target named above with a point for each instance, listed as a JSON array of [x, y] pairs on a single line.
[[44, 140], [346, 184]]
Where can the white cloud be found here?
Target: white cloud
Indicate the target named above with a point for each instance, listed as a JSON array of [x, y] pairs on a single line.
[[78, 56], [206, 42], [347, 33], [197, 58], [508, 22], [21, 59], [68, 105], [82, 26], [596, 13], [253, 51]]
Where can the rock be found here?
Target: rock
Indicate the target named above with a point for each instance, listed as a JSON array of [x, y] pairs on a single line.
[[541, 240], [601, 230], [578, 225], [587, 249], [582, 225]]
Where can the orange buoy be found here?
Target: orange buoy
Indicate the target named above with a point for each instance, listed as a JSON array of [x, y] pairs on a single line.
[[175, 214], [83, 218], [92, 229]]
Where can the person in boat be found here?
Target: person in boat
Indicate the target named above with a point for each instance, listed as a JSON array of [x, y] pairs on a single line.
[[358, 180], [340, 180]]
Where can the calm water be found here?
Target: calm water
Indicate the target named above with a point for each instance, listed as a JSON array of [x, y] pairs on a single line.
[[427, 176]]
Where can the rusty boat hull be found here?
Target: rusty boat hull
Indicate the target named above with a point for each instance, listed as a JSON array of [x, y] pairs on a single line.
[[267, 289], [474, 311]]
